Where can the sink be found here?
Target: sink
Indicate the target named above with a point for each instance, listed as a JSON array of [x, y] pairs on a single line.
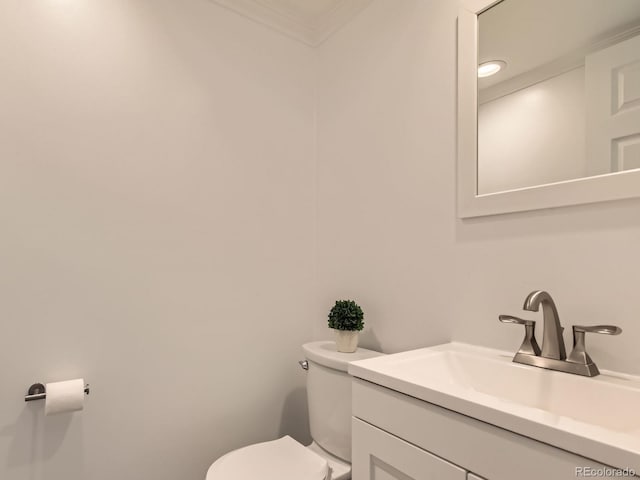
[[595, 417], [610, 405]]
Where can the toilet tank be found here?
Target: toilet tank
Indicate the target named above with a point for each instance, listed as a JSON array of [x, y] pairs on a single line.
[[329, 395]]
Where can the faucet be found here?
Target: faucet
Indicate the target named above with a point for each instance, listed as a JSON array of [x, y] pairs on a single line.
[[553, 355], [552, 340]]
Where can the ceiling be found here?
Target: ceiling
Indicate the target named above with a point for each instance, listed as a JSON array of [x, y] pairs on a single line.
[[310, 21], [528, 34]]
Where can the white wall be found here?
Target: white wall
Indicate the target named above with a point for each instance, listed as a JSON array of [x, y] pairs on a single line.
[[388, 235], [533, 136], [386, 229], [156, 185]]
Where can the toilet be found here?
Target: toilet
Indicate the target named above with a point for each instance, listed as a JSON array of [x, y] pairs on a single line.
[[329, 455]]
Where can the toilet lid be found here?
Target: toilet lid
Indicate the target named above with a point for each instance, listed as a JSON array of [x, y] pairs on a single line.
[[282, 459]]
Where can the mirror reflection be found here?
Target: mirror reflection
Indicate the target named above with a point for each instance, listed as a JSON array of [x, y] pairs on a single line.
[[558, 91]]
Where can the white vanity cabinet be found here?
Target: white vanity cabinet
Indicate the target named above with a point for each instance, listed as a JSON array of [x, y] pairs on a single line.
[[399, 437], [378, 455]]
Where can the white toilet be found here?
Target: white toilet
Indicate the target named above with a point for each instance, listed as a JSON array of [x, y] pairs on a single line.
[[329, 455]]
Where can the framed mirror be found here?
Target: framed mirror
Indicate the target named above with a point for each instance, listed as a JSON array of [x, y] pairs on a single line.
[[558, 123]]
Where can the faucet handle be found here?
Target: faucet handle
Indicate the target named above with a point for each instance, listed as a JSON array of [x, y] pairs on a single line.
[[604, 329], [529, 344], [516, 320], [579, 353]]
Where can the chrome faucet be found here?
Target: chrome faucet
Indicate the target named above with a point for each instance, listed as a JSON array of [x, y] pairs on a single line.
[[553, 355]]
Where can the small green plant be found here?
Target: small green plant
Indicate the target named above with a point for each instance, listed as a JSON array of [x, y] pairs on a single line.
[[346, 315]]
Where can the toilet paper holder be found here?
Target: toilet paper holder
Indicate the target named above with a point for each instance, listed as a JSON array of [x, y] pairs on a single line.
[[37, 391]]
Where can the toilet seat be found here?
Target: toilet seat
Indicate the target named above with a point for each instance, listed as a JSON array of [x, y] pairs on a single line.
[[282, 459]]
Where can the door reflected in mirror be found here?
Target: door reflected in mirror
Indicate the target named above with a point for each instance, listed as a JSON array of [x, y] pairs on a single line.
[[564, 103]]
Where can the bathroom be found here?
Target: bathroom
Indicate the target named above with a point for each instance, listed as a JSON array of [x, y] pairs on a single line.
[[185, 192]]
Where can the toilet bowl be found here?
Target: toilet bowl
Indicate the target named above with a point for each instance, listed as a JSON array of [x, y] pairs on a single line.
[[282, 459], [329, 401]]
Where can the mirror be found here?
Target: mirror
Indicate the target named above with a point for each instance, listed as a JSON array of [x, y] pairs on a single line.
[[559, 123]]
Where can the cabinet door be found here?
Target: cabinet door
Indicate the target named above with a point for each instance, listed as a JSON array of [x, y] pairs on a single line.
[[378, 455]]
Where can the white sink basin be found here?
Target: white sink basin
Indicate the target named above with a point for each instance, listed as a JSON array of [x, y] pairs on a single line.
[[596, 417]]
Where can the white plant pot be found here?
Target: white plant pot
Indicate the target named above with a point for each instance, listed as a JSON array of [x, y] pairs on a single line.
[[347, 340]]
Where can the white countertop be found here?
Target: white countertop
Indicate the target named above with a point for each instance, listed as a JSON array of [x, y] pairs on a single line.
[[596, 417]]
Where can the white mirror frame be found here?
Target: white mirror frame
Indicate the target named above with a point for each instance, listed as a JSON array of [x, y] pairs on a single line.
[[612, 186]]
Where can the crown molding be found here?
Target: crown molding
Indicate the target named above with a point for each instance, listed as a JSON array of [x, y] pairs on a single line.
[[311, 29]]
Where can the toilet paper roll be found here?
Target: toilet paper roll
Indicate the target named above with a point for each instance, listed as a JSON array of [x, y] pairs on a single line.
[[64, 396]]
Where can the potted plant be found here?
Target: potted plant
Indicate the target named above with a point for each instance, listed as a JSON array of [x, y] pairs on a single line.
[[346, 318]]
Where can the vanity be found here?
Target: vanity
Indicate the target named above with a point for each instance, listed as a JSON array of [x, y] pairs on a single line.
[[461, 412]]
